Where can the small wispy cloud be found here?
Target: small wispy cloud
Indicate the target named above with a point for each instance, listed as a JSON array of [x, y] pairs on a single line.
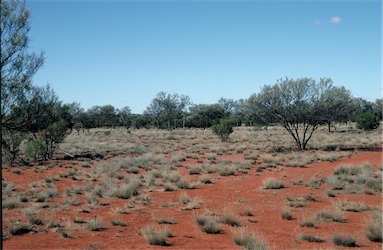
[[333, 20]]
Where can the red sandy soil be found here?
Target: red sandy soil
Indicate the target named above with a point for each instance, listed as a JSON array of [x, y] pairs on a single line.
[[231, 193]]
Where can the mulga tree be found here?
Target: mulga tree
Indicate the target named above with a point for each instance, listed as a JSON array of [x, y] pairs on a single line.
[[299, 105]]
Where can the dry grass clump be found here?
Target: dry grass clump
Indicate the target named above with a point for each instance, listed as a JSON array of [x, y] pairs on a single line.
[[229, 219], [21, 228], [156, 237], [249, 241], [286, 215], [307, 223], [314, 183], [118, 222], [374, 228], [185, 184], [10, 203], [345, 241], [164, 220], [311, 238], [226, 170], [272, 183], [95, 224], [328, 216], [128, 190], [208, 224], [352, 206]]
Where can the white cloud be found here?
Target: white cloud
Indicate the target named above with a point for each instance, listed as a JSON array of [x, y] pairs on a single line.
[[335, 20], [317, 21]]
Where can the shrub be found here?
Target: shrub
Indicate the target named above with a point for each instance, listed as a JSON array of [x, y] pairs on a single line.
[[223, 129], [346, 241], [273, 183], [367, 121]]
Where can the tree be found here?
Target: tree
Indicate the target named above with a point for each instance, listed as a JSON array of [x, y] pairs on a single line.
[[378, 108], [338, 103], [125, 117], [298, 105], [167, 109], [18, 65], [204, 115]]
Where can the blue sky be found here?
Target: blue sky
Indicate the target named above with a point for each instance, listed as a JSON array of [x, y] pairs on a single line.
[[124, 52]]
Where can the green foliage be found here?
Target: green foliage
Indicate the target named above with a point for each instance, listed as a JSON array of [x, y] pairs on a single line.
[[367, 121], [223, 129], [44, 145]]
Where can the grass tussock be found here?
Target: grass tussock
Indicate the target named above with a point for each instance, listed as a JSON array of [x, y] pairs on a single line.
[[249, 241], [352, 206], [272, 183], [374, 228], [208, 224], [311, 238], [345, 241], [328, 216], [156, 237], [95, 224]]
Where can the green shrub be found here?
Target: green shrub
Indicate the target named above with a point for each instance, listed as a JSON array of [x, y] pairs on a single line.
[[223, 129], [367, 121]]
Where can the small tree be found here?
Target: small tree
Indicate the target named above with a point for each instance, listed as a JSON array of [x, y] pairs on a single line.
[[300, 106], [223, 129], [367, 121]]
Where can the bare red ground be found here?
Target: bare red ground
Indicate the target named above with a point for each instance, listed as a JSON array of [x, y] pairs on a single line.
[[232, 193]]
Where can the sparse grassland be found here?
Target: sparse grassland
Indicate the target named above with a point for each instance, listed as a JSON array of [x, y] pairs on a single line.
[[168, 178]]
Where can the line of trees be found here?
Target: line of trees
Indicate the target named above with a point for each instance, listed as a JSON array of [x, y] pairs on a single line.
[[36, 116]]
